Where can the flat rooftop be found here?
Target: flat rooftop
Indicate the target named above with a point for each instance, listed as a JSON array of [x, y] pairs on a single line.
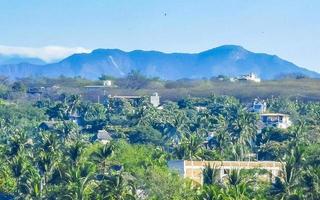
[[273, 114]]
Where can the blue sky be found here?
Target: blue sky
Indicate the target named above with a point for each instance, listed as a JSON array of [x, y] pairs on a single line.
[[287, 28]]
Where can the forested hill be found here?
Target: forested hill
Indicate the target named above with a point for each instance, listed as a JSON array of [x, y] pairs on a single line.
[[227, 60]]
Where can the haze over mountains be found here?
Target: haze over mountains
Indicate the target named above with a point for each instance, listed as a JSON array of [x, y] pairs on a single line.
[[227, 60]]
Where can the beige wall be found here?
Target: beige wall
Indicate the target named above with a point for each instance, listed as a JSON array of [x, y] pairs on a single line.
[[193, 169]]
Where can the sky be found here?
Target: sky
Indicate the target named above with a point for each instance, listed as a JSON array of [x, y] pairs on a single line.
[[53, 29]]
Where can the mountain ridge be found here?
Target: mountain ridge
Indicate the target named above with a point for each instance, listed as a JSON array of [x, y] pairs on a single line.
[[229, 60]]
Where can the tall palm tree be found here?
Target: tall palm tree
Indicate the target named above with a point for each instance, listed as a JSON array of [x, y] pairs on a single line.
[[101, 154], [191, 147], [118, 187], [311, 183], [80, 182], [74, 151], [210, 175], [211, 192]]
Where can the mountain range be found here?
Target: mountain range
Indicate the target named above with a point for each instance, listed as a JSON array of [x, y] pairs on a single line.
[[14, 59], [229, 60]]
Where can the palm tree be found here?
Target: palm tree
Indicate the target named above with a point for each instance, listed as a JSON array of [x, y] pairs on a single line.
[[16, 142], [74, 151], [80, 182], [237, 187], [73, 102], [211, 192], [311, 183], [286, 187], [210, 175], [101, 154], [191, 147], [118, 187]]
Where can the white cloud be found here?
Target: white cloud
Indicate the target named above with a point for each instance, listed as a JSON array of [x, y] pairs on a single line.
[[47, 53]]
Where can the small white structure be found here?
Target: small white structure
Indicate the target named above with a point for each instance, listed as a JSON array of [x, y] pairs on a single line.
[[250, 77], [103, 136], [155, 99], [200, 108], [259, 106], [277, 120], [107, 83]]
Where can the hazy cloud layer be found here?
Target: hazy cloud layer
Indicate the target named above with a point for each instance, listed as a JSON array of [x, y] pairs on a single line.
[[47, 53]]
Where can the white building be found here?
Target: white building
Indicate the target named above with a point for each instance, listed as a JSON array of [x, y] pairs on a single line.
[[107, 83], [200, 108], [155, 99], [277, 120], [250, 77], [259, 106]]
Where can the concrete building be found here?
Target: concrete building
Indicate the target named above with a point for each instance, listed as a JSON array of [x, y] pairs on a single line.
[[155, 99], [250, 77], [277, 120], [259, 106], [194, 169]]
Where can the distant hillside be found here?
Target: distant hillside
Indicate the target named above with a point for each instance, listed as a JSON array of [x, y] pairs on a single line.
[[12, 60], [227, 60]]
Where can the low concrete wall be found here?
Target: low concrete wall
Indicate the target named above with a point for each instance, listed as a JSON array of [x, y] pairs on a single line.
[[194, 169]]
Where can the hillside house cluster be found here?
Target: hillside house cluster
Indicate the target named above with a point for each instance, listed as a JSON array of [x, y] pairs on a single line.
[[250, 77], [277, 120]]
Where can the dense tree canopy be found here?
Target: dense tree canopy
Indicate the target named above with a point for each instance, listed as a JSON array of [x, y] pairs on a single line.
[[65, 161]]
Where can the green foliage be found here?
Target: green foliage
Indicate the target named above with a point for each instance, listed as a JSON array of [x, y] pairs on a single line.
[[134, 80], [19, 87], [64, 161]]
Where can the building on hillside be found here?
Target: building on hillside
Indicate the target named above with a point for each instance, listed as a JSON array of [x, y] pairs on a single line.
[[277, 120], [200, 108], [107, 83], [36, 90], [194, 169], [133, 99], [250, 77], [259, 106], [104, 136], [153, 99]]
